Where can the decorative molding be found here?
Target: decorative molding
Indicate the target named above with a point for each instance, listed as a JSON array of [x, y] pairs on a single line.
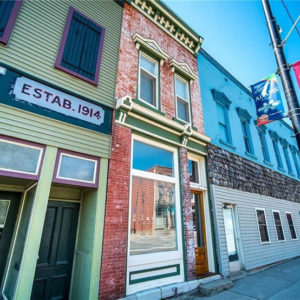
[[274, 135], [243, 114], [221, 98], [170, 23], [125, 105], [284, 143], [151, 46], [183, 68], [260, 129]]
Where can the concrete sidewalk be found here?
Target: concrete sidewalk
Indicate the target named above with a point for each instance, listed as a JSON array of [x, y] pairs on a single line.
[[280, 282]]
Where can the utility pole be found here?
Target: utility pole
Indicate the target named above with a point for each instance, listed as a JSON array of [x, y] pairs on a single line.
[[284, 70]]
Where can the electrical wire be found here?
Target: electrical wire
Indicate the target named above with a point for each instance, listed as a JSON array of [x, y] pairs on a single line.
[[290, 16]]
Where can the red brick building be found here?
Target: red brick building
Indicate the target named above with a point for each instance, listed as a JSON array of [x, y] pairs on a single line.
[[156, 233]]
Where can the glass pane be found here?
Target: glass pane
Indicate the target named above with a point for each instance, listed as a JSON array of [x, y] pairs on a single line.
[[229, 231], [153, 216], [20, 158], [193, 171], [278, 226], [197, 220], [182, 110], [152, 159], [148, 65], [4, 206], [262, 225], [148, 88], [77, 168], [181, 88], [291, 225]]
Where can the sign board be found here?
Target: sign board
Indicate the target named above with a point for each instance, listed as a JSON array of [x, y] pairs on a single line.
[[38, 97], [269, 106]]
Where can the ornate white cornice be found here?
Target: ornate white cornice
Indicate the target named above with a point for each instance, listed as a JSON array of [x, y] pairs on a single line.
[[183, 68]]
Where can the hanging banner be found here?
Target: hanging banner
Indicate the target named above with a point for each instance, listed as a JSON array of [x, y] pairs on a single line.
[[269, 106], [296, 67]]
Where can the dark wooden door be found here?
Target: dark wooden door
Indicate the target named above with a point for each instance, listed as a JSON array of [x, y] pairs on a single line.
[[54, 265], [199, 233], [9, 207]]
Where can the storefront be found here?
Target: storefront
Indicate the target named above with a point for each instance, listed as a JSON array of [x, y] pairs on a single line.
[[54, 149]]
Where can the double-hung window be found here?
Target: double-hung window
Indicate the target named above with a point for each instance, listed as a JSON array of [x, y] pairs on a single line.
[[182, 95], [148, 80], [262, 225], [295, 159], [8, 14], [275, 139], [81, 47], [284, 145], [278, 225], [291, 225], [263, 142]]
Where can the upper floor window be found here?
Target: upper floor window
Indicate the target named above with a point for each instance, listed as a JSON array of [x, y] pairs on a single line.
[[222, 103], [291, 225], [148, 79], [295, 159], [182, 95], [284, 145], [81, 47], [264, 145], [275, 139], [8, 15]]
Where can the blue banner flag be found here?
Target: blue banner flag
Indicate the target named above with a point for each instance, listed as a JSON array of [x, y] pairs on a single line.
[[269, 106]]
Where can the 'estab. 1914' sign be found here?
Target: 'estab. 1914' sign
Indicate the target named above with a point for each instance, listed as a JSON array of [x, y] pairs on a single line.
[[28, 94]]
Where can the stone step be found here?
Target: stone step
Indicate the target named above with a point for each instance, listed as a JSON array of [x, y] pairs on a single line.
[[214, 287]]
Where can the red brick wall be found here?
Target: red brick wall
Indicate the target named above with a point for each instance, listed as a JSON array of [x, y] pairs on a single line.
[[113, 267], [187, 214], [135, 22]]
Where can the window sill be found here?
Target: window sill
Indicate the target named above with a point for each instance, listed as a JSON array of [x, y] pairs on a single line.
[[250, 155], [181, 122], [292, 174], [152, 108], [281, 169], [227, 144], [268, 163]]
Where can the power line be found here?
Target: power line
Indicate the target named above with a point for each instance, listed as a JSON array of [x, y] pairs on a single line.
[[290, 16]]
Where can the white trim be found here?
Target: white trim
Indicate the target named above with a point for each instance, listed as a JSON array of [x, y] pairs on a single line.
[[78, 157], [262, 209], [288, 212], [41, 149], [156, 77], [280, 241]]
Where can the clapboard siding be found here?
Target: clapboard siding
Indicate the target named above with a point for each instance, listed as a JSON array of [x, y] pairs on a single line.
[[28, 126], [35, 40], [256, 254]]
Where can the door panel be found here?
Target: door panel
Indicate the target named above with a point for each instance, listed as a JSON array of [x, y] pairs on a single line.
[[199, 234], [54, 266], [9, 207]]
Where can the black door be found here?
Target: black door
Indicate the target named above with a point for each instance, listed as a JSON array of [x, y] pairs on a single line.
[[9, 207], [54, 266]]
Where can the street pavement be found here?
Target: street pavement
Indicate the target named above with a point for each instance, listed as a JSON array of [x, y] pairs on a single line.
[[280, 282]]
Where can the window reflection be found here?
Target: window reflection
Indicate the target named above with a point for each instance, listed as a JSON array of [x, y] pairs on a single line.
[[152, 159], [153, 216], [193, 171]]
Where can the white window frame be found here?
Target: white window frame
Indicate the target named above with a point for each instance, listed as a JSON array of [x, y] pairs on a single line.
[[280, 241], [188, 101], [201, 185], [261, 242], [150, 74], [157, 257], [288, 212]]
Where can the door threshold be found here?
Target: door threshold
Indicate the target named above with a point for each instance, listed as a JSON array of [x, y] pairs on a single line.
[[206, 274]]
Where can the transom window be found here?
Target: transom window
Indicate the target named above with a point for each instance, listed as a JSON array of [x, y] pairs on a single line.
[[278, 225], [262, 225], [182, 95], [193, 171], [291, 225], [148, 80]]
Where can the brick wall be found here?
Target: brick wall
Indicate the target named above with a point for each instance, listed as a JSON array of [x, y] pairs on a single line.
[[135, 22], [233, 171], [113, 267], [187, 215]]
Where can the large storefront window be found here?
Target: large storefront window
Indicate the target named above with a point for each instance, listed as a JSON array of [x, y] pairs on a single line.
[[153, 200]]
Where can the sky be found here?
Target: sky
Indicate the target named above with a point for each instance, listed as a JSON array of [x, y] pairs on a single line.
[[236, 35]]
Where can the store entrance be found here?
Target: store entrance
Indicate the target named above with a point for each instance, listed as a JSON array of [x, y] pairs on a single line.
[[199, 233], [9, 207], [54, 265]]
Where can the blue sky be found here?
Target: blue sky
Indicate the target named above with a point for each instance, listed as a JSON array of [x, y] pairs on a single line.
[[236, 35]]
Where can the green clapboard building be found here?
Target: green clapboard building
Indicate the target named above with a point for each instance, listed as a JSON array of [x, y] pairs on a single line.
[[58, 65]]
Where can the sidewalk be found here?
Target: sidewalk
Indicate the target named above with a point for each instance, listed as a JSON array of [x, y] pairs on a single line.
[[281, 282]]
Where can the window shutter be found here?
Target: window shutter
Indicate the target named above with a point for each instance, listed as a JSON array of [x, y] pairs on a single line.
[[5, 11], [81, 50]]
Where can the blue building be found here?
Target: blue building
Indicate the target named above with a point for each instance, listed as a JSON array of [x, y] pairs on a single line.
[[253, 175]]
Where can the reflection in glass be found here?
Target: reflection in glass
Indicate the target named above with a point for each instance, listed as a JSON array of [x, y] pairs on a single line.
[[182, 107], [278, 225], [20, 158], [148, 88], [148, 65], [229, 232], [152, 159], [77, 168], [197, 220], [193, 171], [153, 216], [262, 224], [291, 226], [181, 88]]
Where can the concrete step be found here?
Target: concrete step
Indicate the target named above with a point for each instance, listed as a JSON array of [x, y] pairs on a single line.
[[214, 287]]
